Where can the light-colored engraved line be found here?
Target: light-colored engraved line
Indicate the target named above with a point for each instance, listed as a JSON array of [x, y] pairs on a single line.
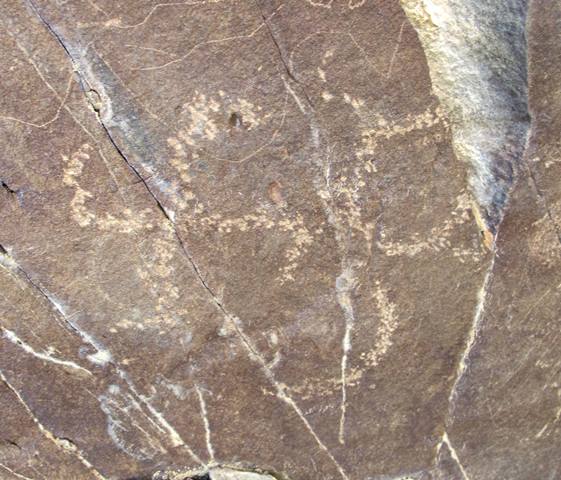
[[257, 357], [348, 320], [62, 444], [301, 105], [280, 388], [358, 4], [12, 337], [395, 50], [173, 435], [150, 49], [197, 46], [161, 5], [57, 113], [101, 353], [343, 282], [104, 158], [23, 281], [103, 356], [320, 3], [331, 32], [111, 402], [538, 302], [272, 138], [206, 423], [15, 474], [281, 393], [211, 42], [135, 96], [97, 7]]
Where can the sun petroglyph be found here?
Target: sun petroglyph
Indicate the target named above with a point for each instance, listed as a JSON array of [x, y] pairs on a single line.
[[261, 218], [209, 122], [203, 118]]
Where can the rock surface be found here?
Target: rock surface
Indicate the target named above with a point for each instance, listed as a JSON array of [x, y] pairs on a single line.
[[237, 243]]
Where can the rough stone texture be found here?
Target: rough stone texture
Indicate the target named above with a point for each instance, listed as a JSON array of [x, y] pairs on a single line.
[[235, 237]]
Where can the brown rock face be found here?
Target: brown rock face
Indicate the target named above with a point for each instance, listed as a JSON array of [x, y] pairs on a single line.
[[239, 240]]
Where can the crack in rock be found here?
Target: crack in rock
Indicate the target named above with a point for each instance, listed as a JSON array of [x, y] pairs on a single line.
[[477, 57]]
